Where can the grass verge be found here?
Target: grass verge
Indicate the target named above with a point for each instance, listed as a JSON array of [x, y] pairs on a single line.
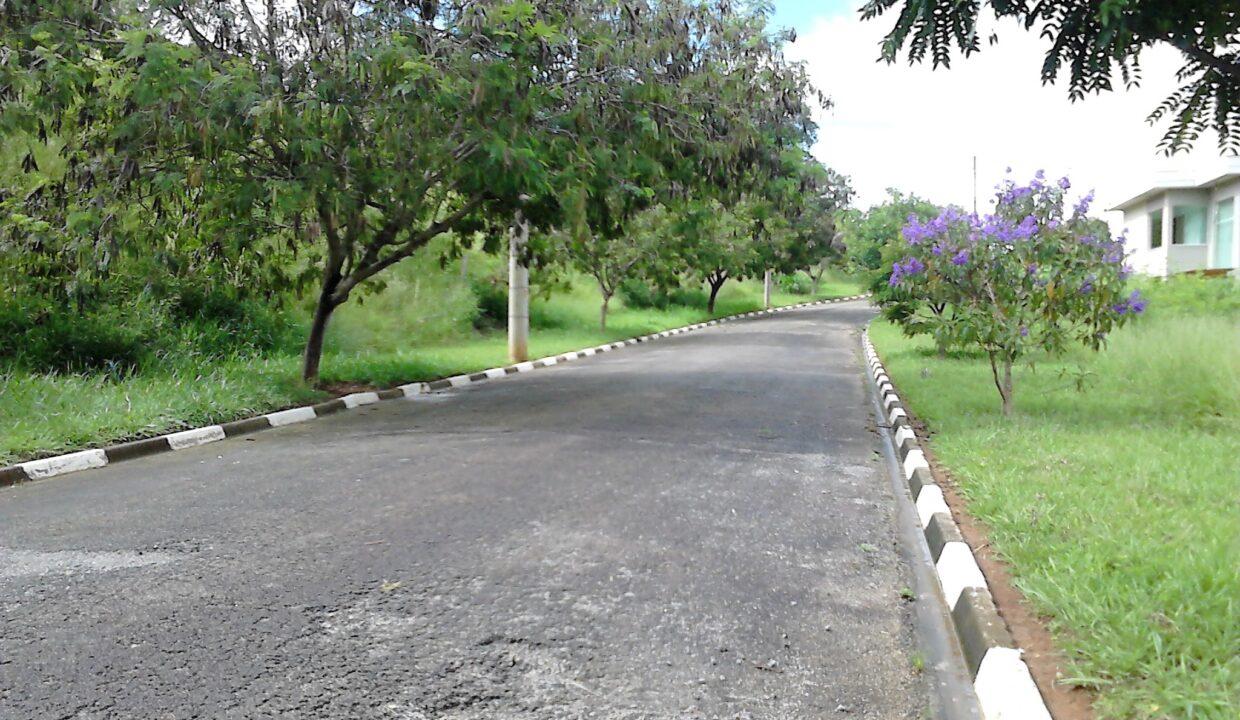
[[48, 414], [1118, 508]]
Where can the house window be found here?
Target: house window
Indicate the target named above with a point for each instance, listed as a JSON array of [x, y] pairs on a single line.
[[1156, 229], [1224, 232], [1188, 225]]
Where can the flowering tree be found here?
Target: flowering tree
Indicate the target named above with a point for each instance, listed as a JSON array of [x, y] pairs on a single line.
[[1031, 277]]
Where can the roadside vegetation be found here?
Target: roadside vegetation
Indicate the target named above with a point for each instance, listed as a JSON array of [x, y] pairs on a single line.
[[1111, 491], [391, 338], [198, 197]]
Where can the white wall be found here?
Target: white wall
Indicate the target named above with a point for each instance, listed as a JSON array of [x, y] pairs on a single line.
[[1137, 224], [1226, 191]]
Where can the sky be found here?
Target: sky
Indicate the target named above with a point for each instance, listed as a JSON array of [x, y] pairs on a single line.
[[918, 129]]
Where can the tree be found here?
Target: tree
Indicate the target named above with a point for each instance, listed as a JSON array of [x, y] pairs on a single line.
[[822, 194], [1031, 278], [88, 190], [715, 244], [722, 106], [871, 237], [1095, 41]]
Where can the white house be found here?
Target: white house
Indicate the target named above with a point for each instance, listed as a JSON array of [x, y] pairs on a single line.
[[1184, 224]]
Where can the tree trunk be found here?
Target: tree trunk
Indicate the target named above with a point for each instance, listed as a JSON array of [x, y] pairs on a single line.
[[602, 313], [939, 345], [766, 290], [1003, 384], [1009, 396], [318, 331], [715, 284], [815, 280]]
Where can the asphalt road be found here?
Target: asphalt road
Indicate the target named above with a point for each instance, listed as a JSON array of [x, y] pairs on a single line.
[[698, 527]]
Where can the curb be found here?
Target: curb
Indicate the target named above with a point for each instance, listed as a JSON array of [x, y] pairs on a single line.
[[1005, 689], [101, 457]]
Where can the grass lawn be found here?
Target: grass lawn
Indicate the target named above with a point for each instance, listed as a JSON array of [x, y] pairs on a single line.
[[1118, 509], [376, 343]]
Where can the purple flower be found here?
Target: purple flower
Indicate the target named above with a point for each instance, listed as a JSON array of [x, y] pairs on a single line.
[[1088, 286], [1040, 174], [1031, 269], [1082, 205], [913, 266], [915, 231], [1064, 184], [1024, 331], [1135, 304], [937, 249], [960, 258]]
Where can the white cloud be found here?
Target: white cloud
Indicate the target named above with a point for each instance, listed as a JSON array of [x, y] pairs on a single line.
[[917, 129]]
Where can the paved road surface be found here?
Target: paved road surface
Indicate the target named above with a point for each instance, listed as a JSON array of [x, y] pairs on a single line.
[[695, 528]]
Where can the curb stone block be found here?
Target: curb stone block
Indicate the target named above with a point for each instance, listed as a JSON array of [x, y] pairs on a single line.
[[12, 475], [192, 438], [1006, 690], [929, 502], [940, 531], [914, 460], [326, 407], [358, 399], [135, 448], [918, 479], [979, 626], [290, 416], [958, 570], [61, 464], [246, 426]]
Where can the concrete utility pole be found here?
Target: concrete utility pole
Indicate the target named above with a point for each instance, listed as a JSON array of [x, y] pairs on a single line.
[[974, 184], [766, 289], [518, 292]]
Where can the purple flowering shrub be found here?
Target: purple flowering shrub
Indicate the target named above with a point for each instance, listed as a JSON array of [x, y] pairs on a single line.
[[1032, 277]]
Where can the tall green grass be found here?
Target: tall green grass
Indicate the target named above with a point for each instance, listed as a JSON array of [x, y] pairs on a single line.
[[1118, 508]]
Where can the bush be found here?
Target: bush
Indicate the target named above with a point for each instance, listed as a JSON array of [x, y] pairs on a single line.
[[640, 295], [688, 297], [492, 298], [43, 337], [796, 284], [1192, 295]]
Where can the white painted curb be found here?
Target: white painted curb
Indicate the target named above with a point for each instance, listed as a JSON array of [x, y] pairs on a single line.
[[1004, 686]]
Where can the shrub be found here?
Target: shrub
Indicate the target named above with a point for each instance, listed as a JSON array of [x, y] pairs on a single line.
[[639, 295], [795, 284], [1027, 278], [43, 337], [642, 295], [1193, 295], [492, 303]]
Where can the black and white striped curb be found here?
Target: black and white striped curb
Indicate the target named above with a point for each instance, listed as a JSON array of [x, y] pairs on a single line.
[[99, 457], [1005, 689]]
